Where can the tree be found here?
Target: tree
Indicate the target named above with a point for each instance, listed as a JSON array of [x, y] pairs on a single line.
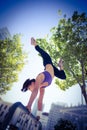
[[12, 60], [64, 125], [69, 41]]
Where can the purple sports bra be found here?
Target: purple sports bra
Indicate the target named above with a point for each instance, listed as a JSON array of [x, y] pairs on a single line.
[[48, 78]]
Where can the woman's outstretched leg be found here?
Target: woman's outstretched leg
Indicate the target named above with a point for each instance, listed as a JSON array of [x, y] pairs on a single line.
[[47, 60], [44, 55]]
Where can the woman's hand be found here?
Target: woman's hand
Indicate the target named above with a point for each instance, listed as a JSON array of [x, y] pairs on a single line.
[[29, 109]]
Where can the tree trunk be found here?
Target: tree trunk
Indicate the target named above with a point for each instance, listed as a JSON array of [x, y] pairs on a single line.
[[83, 81], [84, 93]]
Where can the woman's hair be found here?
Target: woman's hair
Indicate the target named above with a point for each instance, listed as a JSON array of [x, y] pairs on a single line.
[[26, 84]]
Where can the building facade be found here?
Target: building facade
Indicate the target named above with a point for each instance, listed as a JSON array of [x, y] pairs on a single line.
[[77, 115], [44, 120], [4, 33]]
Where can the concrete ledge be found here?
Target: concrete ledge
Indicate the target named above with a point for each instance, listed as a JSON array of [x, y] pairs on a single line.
[[16, 115]]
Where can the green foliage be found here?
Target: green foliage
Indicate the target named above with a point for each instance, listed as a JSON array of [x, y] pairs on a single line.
[[69, 41], [64, 125], [11, 62], [71, 38]]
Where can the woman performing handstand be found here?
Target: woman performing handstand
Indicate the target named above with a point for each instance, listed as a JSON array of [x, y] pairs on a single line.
[[43, 79]]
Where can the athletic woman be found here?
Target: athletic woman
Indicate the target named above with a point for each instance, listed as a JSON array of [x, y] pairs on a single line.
[[43, 79]]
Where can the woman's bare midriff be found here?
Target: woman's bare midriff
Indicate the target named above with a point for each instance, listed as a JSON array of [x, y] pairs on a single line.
[[50, 69]]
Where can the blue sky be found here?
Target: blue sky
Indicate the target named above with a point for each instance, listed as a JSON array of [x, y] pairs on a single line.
[[36, 18]]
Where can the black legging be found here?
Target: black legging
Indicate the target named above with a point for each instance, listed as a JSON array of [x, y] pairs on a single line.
[[44, 55], [47, 60]]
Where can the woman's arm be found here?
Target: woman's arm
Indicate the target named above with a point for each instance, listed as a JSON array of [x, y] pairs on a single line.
[[32, 98], [40, 100]]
